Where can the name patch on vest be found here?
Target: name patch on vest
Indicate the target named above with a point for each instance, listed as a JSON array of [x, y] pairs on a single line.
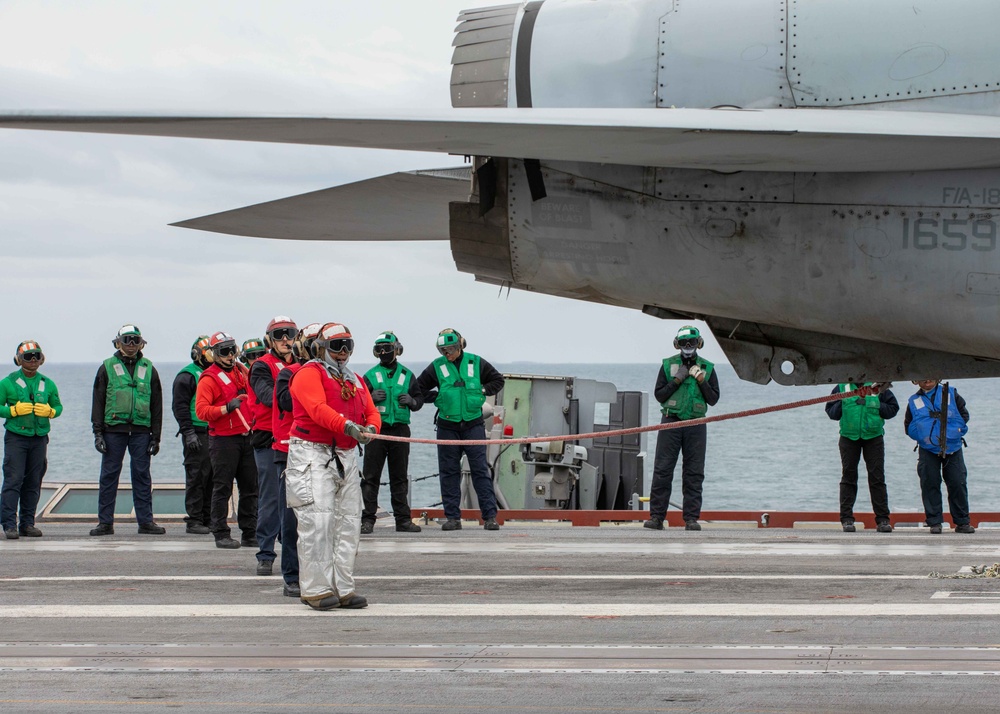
[[471, 371], [444, 371], [41, 386], [402, 378], [141, 371], [224, 379], [119, 370], [378, 377], [21, 383]]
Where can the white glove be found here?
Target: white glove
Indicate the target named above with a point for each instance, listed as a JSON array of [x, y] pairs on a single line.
[[698, 373]]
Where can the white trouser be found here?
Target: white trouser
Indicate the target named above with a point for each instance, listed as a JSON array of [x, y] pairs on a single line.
[[328, 508]]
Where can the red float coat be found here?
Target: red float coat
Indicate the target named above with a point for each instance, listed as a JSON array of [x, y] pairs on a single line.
[[321, 407], [216, 388], [282, 421], [262, 414]]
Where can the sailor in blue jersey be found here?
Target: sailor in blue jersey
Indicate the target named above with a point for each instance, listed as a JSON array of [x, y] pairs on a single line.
[[923, 424]]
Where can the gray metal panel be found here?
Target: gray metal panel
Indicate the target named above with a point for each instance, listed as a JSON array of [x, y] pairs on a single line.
[[468, 26], [479, 94], [481, 51], [485, 71], [490, 9], [487, 35], [612, 479], [909, 52]]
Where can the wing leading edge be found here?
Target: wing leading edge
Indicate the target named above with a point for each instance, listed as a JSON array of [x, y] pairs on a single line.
[[715, 139]]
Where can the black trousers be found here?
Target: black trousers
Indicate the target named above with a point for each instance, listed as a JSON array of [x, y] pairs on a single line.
[[690, 441], [398, 456], [232, 459], [850, 454], [198, 484], [932, 469]]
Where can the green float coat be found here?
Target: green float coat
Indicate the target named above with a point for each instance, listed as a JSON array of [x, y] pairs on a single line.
[[860, 421], [687, 402], [459, 403], [127, 400]]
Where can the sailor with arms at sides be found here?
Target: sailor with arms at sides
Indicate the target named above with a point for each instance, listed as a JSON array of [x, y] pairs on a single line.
[[686, 386], [332, 413], [862, 430], [394, 390], [127, 415], [221, 400], [458, 383], [194, 432], [278, 337], [30, 403], [301, 350], [940, 458]]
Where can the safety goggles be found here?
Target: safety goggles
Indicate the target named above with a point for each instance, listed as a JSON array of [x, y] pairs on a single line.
[[339, 344], [449, 350], [31, 356], [384, 348], [254, 354], [688, 343], [130, 340], [284, 333], [226, 351]]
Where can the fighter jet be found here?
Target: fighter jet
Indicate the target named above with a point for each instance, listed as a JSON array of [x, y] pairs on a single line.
[[818, 182]]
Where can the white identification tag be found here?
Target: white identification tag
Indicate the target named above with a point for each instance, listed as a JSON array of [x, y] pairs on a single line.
[[471, 373], [224, 379], [21, 383], [378, 377], [41, 386], [381, 409], [921, 405], [444, 371], [402, 378], [141, 372], [119, 370]]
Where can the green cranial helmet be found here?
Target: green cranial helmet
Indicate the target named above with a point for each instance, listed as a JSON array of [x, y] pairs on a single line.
[[688, 336], [449, 338], [387, 343]]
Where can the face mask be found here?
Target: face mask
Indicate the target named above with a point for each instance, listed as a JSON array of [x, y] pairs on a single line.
[[387, 359], [687, 351]]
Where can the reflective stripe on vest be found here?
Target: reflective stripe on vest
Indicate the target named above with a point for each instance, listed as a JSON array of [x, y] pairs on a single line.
[[460, 392]]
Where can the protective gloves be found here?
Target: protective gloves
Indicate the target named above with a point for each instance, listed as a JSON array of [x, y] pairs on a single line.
[[360, 434], [21, 408], [378, 395], [682, 373], [44, 411], [698, 373], [405, 400], [234, 403], [192, 442], [154, 447], [100, 444]]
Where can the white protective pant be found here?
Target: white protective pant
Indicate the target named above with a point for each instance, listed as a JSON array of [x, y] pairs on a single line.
[[328, 508]]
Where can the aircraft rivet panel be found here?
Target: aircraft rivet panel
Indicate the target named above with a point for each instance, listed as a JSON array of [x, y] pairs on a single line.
[[857, 52]]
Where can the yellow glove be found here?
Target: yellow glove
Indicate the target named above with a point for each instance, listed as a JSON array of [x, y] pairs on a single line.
[[44, 411], [21, 409]]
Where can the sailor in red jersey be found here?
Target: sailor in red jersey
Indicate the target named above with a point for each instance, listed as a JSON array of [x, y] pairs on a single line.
[[221, 401], [332, 412], [282, 427]]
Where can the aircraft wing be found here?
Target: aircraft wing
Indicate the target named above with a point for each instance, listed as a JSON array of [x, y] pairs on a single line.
[[401, 206], [715, 139]]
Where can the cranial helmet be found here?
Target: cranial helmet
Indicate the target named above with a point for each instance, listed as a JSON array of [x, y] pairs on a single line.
[[128, 331], [333, 337], [26, 347], [387, 338], [449, 337], [686, 333], [252, 349], [220, 340], [199, 349], [279, 322], [302, 346]]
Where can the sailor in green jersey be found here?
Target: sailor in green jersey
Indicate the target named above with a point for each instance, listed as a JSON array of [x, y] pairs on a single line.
[[394, 390], [198, 482], [458, 383], [686, 386], [30, 402], [862, 421], [127, 415]]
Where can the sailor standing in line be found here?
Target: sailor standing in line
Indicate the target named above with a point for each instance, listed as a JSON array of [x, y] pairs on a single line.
[[194, 432], [686, 386], [30, 400], [127, 415], [394, 391], [939, 459]]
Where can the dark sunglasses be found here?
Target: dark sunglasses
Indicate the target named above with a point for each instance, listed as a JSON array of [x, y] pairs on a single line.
[[226, 351], [384, 348], [130, 339], [31, 356], [340, 344], [688, 343], [284, 333]]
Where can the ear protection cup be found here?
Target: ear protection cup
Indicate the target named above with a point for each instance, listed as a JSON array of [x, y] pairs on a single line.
[[18, 362]]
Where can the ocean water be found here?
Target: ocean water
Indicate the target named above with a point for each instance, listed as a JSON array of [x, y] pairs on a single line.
[[788, 460]]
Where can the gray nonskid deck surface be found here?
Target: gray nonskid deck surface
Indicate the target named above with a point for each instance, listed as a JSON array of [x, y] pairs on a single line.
[[533, 618]]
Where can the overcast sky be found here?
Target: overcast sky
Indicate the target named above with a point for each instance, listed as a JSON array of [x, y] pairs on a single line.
[[84, 219]]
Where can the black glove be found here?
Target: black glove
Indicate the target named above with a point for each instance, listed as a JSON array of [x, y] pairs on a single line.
[[682, 373], [192, 442], [405, 400], [378, 395], [100, 444], [154, 447], [234, 403]]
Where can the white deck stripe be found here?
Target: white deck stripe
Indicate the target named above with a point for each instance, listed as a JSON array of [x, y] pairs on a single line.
[[477, 578], [834, 609]]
